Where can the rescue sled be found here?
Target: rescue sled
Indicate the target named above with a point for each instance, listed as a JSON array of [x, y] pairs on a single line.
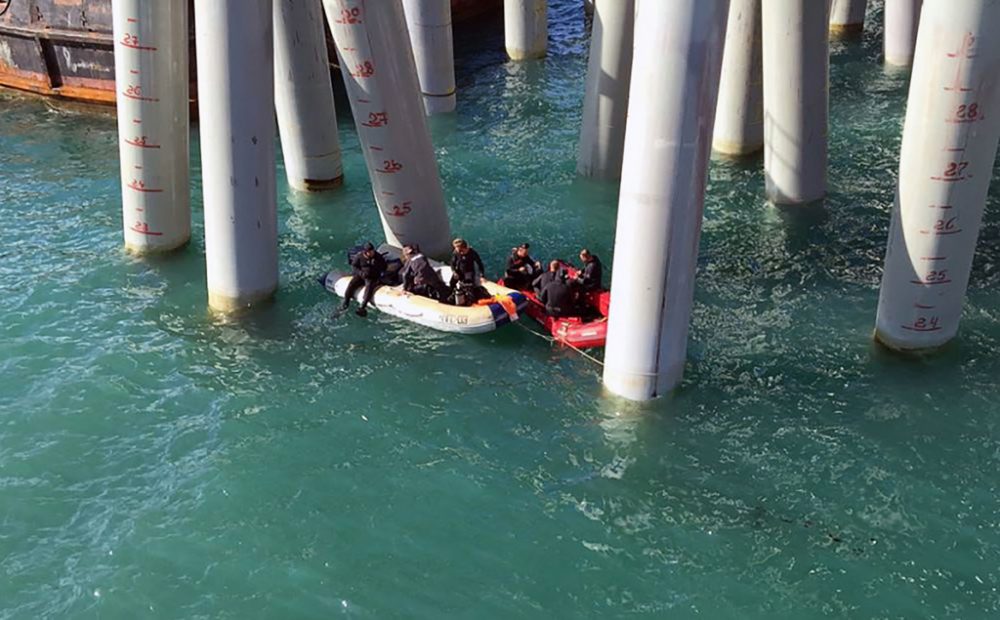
[[588, 330], [503, 308]]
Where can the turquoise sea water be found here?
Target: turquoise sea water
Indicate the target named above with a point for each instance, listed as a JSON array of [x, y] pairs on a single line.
[[158, 462]]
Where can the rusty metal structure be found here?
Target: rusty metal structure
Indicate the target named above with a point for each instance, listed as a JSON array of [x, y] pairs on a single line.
[[65, 49]]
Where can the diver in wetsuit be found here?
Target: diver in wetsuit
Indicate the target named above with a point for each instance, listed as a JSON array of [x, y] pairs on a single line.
[[589, 278], [558, 297], [368, 267], [521, 268], [419, 277], [466, 265], [466, 272], [554, 273]]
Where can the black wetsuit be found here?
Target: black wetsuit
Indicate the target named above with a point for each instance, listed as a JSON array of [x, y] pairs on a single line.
[[420, 278], [515, 278], [590, 276], [558, 299], [367, 272], [545, 279], [467, 268]]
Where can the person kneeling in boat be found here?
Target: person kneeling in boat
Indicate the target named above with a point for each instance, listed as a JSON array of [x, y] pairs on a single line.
[[368, 268], [589, 278], [554, 273], [467, 271], [521, 269], [419, 277], [557, 295]]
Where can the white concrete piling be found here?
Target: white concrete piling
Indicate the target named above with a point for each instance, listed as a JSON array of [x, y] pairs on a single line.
[[151, 78], [382, 85], [796, 99], [303, 97], [668, 141], [526, 28], [236, 119], [739, 119], [950, 140], [847, 18], [605, 102], [429, 23], [902, 19]]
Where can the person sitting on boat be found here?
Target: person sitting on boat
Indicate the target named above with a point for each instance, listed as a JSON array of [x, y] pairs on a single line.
[[558, 297], [368, 267], [589, 278], [419, 277], [521, 268], [554, 273]]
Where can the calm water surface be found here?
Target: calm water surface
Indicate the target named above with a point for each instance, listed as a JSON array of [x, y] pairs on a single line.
[[156, 462]]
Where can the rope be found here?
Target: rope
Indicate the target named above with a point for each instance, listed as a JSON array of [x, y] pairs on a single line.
[[551, 340]]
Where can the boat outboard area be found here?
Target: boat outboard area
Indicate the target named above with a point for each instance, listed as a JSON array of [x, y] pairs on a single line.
[[503, 306]]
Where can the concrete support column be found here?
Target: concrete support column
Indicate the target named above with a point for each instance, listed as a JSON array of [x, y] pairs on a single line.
[[847, 18], [151, 77], [605, 102], [236, 110], [902, 19], [303, 97], [429, 23], [382, 85], [739, 119], [668, 141], [950, 140], [796, 99], [526, 28]]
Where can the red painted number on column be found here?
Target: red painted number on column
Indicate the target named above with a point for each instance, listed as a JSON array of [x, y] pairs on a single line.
[[401, 210], [363, 70], [350, 16], [391, 166], [377, 119]]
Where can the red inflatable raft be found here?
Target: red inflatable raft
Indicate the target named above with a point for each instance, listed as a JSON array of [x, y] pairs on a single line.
[[578, 331]]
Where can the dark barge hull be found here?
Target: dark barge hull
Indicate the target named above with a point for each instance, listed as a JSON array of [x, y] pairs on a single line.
[[64, 48]]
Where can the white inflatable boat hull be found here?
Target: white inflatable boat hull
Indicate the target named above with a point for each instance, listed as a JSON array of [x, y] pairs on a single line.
[[393, 301]]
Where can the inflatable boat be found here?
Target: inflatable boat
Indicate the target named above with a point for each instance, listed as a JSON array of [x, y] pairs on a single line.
[[589, 329], [501, 309]]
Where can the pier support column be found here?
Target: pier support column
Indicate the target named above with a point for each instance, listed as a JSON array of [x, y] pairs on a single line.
[[847, 18], [902, 19], [236, 119], [526, 28], [739, 119], [429, 23], [382, 85], [151, 77], [605, 102], [796, 99], [668, 141], [950, 140], [303, 97]]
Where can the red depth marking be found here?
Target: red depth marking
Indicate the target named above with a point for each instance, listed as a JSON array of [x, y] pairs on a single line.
[[140, 186], [140, 98], [921, 329], [142, 143], [143, 229]]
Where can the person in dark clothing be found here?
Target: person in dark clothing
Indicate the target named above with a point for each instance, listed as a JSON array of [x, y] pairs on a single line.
[[521, 268], [589, 278], [466, 265], [554, 273], [419, 277], [368, 267], [558, 298]]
